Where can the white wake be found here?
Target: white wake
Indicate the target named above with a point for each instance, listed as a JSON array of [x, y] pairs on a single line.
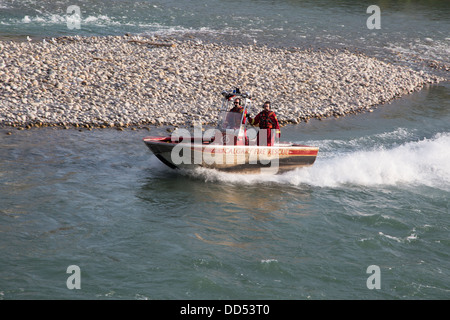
[[424, 162]]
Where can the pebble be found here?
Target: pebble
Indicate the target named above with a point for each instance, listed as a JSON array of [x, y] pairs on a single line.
[[111, 81]]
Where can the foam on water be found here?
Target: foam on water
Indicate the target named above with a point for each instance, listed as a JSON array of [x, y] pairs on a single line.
[[391, 138], [410, 238], [48, 19], [424, 162], [102, 20], [426, 48], [162, 30]]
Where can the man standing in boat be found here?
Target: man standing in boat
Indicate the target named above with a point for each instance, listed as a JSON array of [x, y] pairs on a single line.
[[239, 109], [268, 123], [234, 120]]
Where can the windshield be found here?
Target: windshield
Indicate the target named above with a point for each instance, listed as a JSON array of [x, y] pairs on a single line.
[[229, 120]]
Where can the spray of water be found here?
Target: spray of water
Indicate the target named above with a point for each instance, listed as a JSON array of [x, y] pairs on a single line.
[[423, 162]]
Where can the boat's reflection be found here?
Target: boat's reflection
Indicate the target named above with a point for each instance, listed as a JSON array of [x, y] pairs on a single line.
[[237, 214]]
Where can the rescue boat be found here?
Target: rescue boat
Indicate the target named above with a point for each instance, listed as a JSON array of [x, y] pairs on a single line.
[[230, 147]]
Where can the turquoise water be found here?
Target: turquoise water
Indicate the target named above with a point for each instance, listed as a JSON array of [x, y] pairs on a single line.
[[378, 193]]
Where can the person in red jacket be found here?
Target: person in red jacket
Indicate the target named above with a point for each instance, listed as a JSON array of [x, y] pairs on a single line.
[[239, 109], [268, 122]]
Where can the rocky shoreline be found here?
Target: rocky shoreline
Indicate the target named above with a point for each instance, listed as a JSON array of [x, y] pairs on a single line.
[[123, 81]]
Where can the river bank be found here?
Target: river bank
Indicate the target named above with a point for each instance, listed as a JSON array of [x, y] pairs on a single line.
[[121, 81]]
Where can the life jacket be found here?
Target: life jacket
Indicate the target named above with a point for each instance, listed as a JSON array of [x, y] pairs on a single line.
[[264, 121]]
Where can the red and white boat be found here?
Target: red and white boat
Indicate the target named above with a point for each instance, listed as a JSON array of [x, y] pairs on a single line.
[[231, 147]]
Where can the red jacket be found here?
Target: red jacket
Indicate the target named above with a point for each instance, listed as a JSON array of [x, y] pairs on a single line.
[[266, 120]]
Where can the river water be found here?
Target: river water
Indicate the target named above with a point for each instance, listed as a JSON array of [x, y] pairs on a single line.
[[378, 194]]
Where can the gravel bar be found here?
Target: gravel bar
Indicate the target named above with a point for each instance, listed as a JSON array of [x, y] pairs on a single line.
[[122, 81]]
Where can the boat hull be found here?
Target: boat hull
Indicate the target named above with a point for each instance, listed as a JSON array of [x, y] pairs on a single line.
[[232, 158]]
